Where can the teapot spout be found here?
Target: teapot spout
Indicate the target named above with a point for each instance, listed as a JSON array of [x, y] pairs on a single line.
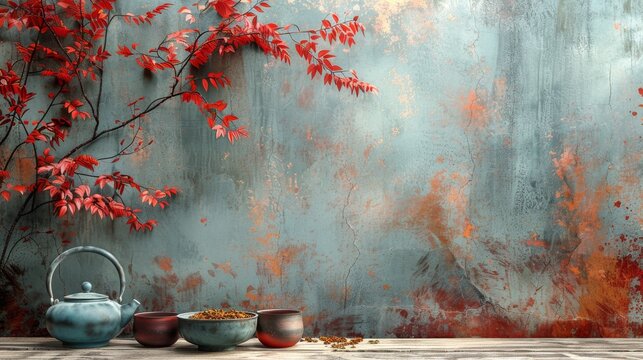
[[127, 312]]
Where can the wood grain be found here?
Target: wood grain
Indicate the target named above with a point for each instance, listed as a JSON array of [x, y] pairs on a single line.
[[47, 348]]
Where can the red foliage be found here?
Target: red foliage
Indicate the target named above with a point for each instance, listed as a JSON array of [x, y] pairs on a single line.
[[69, 44]]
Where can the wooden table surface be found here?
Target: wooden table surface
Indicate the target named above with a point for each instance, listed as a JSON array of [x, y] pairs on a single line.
[[126, 349]]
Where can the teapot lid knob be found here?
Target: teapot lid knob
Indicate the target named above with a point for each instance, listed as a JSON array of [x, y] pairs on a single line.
[[86, 286]]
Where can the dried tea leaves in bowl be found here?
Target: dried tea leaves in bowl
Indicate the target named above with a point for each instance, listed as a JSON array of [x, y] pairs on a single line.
[[221, 314]]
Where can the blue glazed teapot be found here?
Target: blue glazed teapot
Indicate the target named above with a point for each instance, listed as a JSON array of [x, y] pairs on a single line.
[[87, 319]]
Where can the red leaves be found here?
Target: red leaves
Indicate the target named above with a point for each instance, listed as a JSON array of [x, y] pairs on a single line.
[[14, 93], [202, 53], [69, 200], [237, 134], [71, 8], [60, 31], [136, 225], [217, 80], [124, 51], [46, 158], [219, 105], [98, 20], [188, 14], [321, 62], [136, 101], [104, 4], [147, 17], [193, 97], [86, 161], [100, 57], [147, 61], [181, 36], [159, 9], [225, 8], [72, 109], [259, 7], [34, 136], [22, 189], [220, 130], [154, 197], [118, 181], [344, 31], [4, 174], [62, 74], [228, 119], [74, 53]]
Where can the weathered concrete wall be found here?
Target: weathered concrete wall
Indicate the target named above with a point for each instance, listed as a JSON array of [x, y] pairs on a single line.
[[491, 188]]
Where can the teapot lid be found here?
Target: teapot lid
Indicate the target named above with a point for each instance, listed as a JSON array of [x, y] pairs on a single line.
[[86, 295]]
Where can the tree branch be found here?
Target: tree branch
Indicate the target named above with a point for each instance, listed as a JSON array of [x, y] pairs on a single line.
[[124, 123]]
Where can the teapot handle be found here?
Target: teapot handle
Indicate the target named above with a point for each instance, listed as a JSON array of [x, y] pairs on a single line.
[[91, 249]]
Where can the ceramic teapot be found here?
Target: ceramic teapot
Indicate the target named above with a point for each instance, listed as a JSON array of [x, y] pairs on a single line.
[[87, 319]]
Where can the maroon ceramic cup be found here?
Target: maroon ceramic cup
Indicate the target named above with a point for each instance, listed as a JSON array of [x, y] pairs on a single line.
[[156, 329], [279, 328]]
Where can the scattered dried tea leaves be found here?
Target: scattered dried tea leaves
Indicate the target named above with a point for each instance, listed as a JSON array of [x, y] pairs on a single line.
[[345, 343], [336, 342], [332, 339], [220, 314], [373, 341]]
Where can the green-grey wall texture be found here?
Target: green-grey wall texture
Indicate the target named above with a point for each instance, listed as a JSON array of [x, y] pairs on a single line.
[[491, 188]]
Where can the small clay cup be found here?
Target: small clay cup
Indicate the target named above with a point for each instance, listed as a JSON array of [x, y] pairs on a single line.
[[279, 328], [156, 329]]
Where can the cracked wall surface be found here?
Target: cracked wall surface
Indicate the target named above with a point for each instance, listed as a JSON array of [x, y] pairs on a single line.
[[491, 189]]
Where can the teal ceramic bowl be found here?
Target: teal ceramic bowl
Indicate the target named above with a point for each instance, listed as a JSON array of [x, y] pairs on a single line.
[[217, 335]]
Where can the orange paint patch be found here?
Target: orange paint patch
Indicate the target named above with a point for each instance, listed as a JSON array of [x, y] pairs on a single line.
[[565, 162], [386, 286], [266, 239], [275, 264], [474, 110], [367, 151], [26, 170], [530, 303], [164, 263], [257, 297], [226, 267], [440, 215], [257, 212], [599, 279], [388, 10], [534, 240], [580, 203], [347, 174], [326, 146], [469, 228], [406, 93], [191, 283], [606, 295], [428, 214]]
